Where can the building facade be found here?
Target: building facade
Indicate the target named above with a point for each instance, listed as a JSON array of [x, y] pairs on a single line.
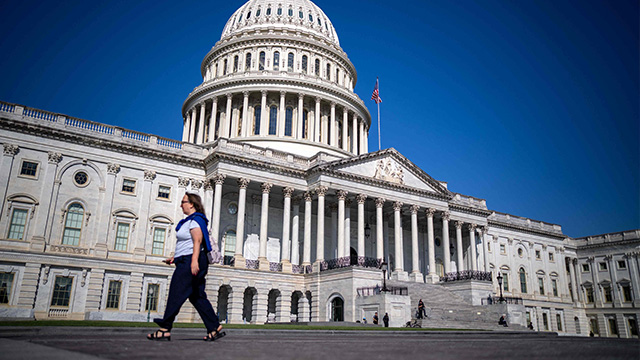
[[275, 142]]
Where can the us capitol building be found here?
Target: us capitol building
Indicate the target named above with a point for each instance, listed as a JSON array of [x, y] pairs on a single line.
[[275, 142]]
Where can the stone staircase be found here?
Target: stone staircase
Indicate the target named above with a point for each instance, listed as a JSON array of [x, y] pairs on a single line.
[[447, 310]]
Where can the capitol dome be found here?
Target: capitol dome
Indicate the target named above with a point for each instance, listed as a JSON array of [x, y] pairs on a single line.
[[278, 79]]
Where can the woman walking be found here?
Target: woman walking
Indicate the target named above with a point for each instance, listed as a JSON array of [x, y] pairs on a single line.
[[188, 279]]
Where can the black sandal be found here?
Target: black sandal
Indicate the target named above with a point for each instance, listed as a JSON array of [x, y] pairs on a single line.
[[215, 335], [159, 335]]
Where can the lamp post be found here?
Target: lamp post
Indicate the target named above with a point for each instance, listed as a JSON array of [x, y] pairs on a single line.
[[149, 297], [383, 266], [499, 278]]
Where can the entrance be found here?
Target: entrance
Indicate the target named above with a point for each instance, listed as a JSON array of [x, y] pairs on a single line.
[[337, 309]]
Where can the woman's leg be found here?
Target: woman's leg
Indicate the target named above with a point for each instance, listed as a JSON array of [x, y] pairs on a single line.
[[179, 291], [199, 298]]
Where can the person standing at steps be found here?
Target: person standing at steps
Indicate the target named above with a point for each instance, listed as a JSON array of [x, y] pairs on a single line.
[[188, 280], [386, 319], [375, 318], [422, 313]]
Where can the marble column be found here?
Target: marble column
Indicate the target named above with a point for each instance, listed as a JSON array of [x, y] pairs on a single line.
[[185, 128], [333, 245], [201, 125], [264, 226], [345, 130], [214, 118], [342, 195], [459, 252], [432, 277], [379, 228], [264, 124], [226, 128], [416, 275], [321, 191], [472, 244], [399, 272], [281, 114], [242, 199], [634, 271], [218, 179], [286, 229], [306, 246], [333, 136], [192, 130], [299, 133], [295, 232], [245, 115], [354, 135], [574, 285], [445, 242], [361, 137], [316, 124], [347, 227], [361, 198], [485, 252]]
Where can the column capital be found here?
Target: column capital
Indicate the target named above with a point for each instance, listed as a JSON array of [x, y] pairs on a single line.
[[10, 149], [282, 93], [266, 187], [380, 202], [361, 198], [414, 209], [182, 181], [243, 183], [229, 96], [287, 191], [472, 227], [430, 212], [321, 190], [197, 183], [214, 99], [308, 196], [458, 225], [245, 93], [55, 157], [218, 179], [397, 205], [318, 99], [115, 168], [333, 105], [342, 194], [300, 96], [149, 175], [264, 93], [446, 215]]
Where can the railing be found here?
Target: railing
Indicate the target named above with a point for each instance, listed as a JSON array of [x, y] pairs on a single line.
[[128, 134], [7, 107], [297, 269], [376, 290], [348, 261], [89, 125], [275, 266], [494, 300], [36, 114], [229, 260], [467, 275], [252, 264], [58, 313], [169, 143]]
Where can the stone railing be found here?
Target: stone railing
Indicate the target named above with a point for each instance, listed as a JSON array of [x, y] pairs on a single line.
[[349, 261], [275, 266], [525, 222], [252, 264], [376, 290], [58, 313], [466, 275], [494, 300]]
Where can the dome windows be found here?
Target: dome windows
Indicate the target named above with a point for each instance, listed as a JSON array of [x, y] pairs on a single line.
[[248, 15], [258, 13], [279, 12], [288, 121], [276, 61], [319, 22], [273, 120], [290, 12], [256, 120], [317, 67], [300, 14], [247, 62], [304, 63], [235, 63], [268, 11], [310, 17], [261, 61], [290, 62]]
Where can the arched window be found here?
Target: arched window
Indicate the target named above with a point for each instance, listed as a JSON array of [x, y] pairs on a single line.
[[290, 13], [337, 75], [224, 67], [305, 116], [304, 63], [300, 14], [288, 121], [290, 62], [310, 18], [235, 63], [268, 11], [73, 225], [328, 71], [261, 61], [273, 120], [256, 120], [523, 281], [337, 309], [247, 62], [276, 61], [279, 11], [240, 121], [317, 69]]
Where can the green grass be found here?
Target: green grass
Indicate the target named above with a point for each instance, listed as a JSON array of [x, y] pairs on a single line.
[[102, 323]]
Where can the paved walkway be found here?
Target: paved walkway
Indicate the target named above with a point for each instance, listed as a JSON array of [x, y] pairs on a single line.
[[68, 343]]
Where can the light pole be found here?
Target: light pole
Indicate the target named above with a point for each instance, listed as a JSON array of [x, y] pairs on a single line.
[[383, 266], [499, 278], [149, 297]]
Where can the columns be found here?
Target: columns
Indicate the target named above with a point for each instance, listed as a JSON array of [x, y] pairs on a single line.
[[227, 118], [347, 227], [365, 140], [214, 118], [361, 198], [632, 261], [472, 243], [345, 130], [574, 285], [299, 133], [192, 130], [397, 235], [432, 277], [361, 138], [485, 252], [242, 197], [201, 124], [218, 179], [415, 276], [379, 227], [316, 124], [306, 247], [245, 115], [185, 128], [295, 230], [460, 264], [264, 226], [332, 132], [342, 195], [321, 191], [445, 242], [281, 114], [354, 135], [264, 125], [286, 218]]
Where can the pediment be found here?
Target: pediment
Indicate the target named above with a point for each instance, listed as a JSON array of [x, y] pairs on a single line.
[[387, 166]]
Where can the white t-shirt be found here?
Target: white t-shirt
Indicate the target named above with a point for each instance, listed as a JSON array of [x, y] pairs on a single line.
[[184, 246]]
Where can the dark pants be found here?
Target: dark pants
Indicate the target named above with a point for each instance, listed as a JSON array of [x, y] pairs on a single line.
[[422, 313], [186, 286]]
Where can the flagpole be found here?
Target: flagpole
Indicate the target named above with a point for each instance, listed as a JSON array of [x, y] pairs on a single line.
[[379, 146]]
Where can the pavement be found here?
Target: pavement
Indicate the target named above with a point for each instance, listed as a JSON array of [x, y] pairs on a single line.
[[70, 343]]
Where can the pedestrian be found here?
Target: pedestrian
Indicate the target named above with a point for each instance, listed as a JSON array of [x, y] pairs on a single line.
[[375, 318], [422, 313], [530, 326], [502, 321], [386, 319], [364, 320], [188, 280]]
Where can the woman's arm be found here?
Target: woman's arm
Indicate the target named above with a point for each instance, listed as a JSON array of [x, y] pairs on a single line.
[[196, 235]]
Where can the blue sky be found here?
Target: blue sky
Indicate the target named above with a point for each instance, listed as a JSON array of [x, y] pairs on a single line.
[[532, 105]]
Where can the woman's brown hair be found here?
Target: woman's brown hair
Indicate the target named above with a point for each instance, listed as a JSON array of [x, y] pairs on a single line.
[[196, 201]]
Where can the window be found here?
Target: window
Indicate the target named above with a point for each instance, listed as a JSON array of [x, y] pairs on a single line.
[[554, 287], [224, 67], [503, 249], [585, 268], [247, 61], [290, 12], [122, 237], [81, 178], [550, 256], [258, 13], [590, 298], [520, 252], [311, 18], [73, 225], [328, 71], [235, 61], [18, 224], [288, 121], [559, 321], [537, 254], [304, 63], [545, 321], [230, 243], [633, 326], [129, 186], [523, 281], [279, 12], [622, 264], [256, 120], [164, 192], [489, 246], [317, 67], [29, 168], [6, 285], [276, 61], [607, 294], [305, 116], [319, 22], [505, 281], [261, 61], [337, 75], [541, 285], [113, 296], [248, 15], [273, 120], [159, 234], [626, 293], [153, 291], [613, 327], [602, 266], [268, 11], [61, 291], [290, 62], [300, 14]]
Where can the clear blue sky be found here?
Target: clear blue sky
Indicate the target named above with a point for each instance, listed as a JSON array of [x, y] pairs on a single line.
[[532, 105]]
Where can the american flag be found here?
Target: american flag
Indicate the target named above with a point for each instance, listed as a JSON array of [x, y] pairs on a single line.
[[376, 94]]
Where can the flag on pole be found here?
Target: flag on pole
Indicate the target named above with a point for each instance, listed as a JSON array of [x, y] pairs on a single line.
[[376, 94]]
